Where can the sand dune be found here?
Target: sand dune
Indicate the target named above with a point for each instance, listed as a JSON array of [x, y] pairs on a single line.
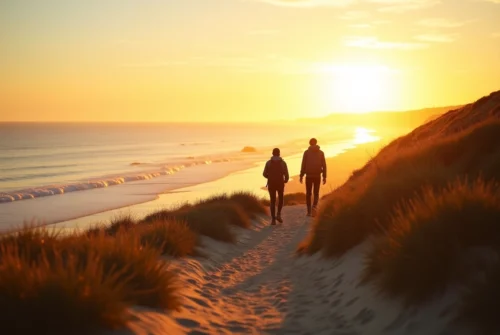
[[260, 286]]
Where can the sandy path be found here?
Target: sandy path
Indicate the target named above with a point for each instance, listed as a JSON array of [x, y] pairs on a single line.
[[260, 286]]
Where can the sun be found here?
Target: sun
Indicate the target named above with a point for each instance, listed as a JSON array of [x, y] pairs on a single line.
[[358, 88]]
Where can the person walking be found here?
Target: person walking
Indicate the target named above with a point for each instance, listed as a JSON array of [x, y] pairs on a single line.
[[313, 166], [276, 172]]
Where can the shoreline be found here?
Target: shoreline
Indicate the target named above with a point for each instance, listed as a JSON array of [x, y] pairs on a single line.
[[79, 210], [248, 179]]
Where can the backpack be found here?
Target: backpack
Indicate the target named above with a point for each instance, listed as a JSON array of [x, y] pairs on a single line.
[[275, 172], [314, 163]]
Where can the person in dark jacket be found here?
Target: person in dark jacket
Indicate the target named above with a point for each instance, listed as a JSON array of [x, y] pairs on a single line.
[[313, 167], [276, 172]]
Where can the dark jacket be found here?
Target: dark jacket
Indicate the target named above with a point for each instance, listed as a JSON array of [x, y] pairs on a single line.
[[266, 173], [313, 162]]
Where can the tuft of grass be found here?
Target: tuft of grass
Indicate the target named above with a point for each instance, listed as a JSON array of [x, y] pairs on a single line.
[[210, 217], [149, 282], [171, 237], [90, 278], [480, 304], [250, 203], [117, 224], [59, 296], [292, 199], [429, 236]]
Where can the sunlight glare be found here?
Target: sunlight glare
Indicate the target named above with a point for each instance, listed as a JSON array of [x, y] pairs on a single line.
[[363, 135], [358, 88]]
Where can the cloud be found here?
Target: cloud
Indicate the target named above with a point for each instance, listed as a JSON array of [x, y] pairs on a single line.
[[399, 6], [354, 15], [396, 6], [360, 26], [441, 23], [309, 3], [153, 64], [437, 38], [263, 32], [375, 43]]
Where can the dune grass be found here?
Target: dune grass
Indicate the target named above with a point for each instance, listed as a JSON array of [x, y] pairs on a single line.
[[170, 237], [429, 237], [59, 296], [53, 283], [71, 284], [363, 206], [290, 199], [214, 216]]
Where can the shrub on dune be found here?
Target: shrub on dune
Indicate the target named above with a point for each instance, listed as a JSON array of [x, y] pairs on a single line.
[[292, 199], [117, 223], [250, 203], [171, 237], [148, 281], [31, 242], [59, 296], [420, 256], [211, 217]]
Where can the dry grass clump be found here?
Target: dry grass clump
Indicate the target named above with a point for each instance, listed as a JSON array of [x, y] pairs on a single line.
[[118, 223], [70, 284], [423, 250], [170, 237], [214, 216], [250, 203], [59, 296], [290, 199]]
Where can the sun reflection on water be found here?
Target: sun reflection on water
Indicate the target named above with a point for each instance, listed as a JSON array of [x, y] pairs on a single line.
[[363, 135]]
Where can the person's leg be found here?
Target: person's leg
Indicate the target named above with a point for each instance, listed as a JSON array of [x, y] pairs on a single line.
[[317, 183], [272, 198], [280, 203], [308, 194]]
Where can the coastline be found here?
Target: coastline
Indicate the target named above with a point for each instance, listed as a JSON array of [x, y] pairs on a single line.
[[248, 179], [80, 210]]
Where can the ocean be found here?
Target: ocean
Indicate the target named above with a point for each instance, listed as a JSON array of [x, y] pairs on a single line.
[[69, 162]]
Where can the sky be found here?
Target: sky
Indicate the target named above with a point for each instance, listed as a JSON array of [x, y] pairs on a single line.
[[242, 60]]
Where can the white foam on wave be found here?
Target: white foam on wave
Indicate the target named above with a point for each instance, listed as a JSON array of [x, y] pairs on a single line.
[[43, 191]]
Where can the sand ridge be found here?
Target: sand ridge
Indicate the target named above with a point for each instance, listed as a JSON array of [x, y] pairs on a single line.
[[260, 286]]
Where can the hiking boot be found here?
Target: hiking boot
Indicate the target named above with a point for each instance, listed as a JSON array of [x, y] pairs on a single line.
[[273, 222], [279, 219]]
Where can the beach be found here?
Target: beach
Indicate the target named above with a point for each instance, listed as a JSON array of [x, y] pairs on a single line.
[[260, 286], [165, 184]]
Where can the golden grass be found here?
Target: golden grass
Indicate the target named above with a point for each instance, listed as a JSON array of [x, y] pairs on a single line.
[[171, 237], [74, 283], [363, 206], [53, 283], [428, 237]]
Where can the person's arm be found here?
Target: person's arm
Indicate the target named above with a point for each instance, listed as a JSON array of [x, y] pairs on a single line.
[[303, 166], [265, 170], [323, 163], [285, 172]]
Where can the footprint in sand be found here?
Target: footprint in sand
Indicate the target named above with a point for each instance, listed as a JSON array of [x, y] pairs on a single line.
[[187, 322], [365, 316], [352, 301]]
